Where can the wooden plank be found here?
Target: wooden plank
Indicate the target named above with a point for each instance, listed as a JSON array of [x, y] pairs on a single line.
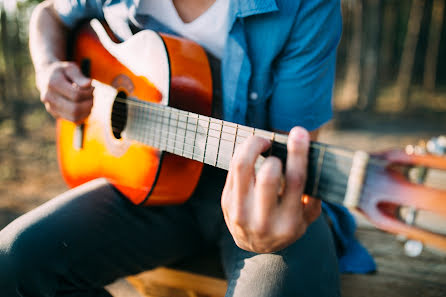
[[188, 282], [398, 274]]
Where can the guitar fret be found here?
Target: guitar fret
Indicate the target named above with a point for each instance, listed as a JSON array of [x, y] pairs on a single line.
[[183, 146], [168, 128], [152, 130], [206, 141], [201, 134], [159, 128], [219, 142], [145, 127], [163, 134], [226, 148], [262, 133], [195, 138], [176, 136], [172, 133], [186, 152], [235, 139], [190, 136], [320, 160]]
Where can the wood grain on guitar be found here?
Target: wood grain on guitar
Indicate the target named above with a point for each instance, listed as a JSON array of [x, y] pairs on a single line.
[[150, 132]]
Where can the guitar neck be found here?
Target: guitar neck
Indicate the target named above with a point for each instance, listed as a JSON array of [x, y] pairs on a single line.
[[213, 141]]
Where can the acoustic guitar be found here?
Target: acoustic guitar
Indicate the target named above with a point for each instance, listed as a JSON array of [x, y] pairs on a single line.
[[150, 132]]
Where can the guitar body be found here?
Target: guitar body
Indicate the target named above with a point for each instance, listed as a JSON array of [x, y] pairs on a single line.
[[151, 67]]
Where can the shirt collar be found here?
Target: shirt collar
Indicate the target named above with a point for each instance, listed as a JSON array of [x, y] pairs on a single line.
[[245, 8]]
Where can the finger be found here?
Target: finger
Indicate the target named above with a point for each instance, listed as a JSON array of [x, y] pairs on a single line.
[[69, 110], [75, 75], [226, 197], [267, 186], [46, 100], [242, 164], [59, 83], [296, 168], [312, 210]]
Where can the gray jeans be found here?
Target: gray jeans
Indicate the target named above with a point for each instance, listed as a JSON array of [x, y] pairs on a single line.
[[88, 237]]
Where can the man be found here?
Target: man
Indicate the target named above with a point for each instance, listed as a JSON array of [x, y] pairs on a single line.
[[277, 71]]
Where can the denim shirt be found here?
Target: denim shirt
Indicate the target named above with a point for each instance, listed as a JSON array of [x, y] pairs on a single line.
[[278, 65]]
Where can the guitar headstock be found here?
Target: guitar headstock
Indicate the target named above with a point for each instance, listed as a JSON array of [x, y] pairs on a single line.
[[401, 184]]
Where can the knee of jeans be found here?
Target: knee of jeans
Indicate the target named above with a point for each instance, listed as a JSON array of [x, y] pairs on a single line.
[[20, 259]]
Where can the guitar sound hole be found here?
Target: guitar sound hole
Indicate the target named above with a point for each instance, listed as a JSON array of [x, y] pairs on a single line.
[[119, 114]]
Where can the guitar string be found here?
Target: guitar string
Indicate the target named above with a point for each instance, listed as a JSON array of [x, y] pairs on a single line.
[[338, 188], [159, 133], [218, 158], [185, 114], [159, 124], [336, 163], [154, 106], [251, 130], [328, 164], [333, 189], [171, 137], [191, 154]]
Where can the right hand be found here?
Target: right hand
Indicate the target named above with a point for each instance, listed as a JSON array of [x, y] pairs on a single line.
[[65, 91]]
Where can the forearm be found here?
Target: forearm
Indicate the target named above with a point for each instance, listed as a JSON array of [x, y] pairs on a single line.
[[47, 36]]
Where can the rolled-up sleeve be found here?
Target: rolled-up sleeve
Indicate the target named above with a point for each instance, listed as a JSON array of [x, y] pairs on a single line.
[[73, 11], [305, 70]]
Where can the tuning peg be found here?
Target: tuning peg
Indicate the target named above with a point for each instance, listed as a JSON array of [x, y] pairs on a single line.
[[417, 174], [437, 145]]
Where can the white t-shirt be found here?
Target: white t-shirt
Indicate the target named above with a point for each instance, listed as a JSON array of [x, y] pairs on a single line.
[[210, 29]]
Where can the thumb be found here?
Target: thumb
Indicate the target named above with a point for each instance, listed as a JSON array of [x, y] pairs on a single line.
[[75, 75]]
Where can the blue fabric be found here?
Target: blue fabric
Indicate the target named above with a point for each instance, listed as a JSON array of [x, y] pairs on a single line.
[[353, 257], [278, 72]]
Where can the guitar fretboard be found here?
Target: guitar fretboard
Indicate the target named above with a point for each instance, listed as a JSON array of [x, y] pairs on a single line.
[[213, 141]]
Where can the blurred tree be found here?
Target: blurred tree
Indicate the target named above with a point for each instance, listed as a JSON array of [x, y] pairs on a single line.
[[13, 74], [408, 55], [388, 41], [350, 92], [433, 46], [4, 65], [370, 55]]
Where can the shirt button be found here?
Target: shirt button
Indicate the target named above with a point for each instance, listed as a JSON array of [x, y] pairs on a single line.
[[253, 96]]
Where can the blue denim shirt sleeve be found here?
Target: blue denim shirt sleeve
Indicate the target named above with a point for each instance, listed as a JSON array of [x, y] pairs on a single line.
[[72, 11], [305, 72]]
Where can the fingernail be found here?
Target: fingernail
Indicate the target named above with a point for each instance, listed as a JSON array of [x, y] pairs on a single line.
[[299, 134], [83, 81]]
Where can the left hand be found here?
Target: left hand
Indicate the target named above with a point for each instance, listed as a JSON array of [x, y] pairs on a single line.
[[258, 218]]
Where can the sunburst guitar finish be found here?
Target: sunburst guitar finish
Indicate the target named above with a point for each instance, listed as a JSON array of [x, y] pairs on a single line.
[[153, 68]]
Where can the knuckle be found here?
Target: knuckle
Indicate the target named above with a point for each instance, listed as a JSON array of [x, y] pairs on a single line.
[[240, 164], [266, 180], [297, 179], [270, 172], [260, 230], [238, 219]]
